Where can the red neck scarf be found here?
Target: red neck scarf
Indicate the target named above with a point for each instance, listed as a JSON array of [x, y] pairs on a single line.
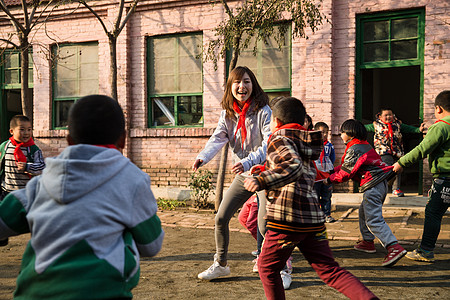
[[18, 154], [353, 141], [442, 121], [390, 133], [110, 146], [322, 154], [288, 126], [241, 122]]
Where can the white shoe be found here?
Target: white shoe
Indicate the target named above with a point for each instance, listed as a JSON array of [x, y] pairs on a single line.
[[255, 266], [287, 279], [216, 270]]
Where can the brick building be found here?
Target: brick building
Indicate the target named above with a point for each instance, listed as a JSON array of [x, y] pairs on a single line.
[[371, 54]]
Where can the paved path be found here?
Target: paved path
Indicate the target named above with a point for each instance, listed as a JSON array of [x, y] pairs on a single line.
[[405, 222]]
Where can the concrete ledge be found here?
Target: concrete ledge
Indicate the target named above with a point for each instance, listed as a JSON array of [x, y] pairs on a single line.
[[172, 193]]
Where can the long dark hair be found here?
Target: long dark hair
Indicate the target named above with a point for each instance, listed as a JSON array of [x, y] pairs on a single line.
[[258, 96]]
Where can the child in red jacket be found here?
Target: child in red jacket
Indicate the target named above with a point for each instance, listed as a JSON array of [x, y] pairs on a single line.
[[361, 163]]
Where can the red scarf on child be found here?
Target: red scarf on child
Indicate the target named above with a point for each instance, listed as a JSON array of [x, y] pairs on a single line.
[[18, 154], [288, 126], [442, 121], [241, 122], [353, 141], [110, 146], [322, 154]]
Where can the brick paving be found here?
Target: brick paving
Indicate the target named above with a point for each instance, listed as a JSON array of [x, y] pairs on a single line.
[[406, 223]]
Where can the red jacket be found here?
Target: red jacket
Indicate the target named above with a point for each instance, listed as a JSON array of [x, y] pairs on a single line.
[[361, 163]]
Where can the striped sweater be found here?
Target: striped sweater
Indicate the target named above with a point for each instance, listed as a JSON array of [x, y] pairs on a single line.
[[12, 178]]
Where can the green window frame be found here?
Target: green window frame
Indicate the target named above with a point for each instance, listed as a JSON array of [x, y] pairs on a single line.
[[75, 75], [400, 38], [271, 65], [175, 80], [11, 69]]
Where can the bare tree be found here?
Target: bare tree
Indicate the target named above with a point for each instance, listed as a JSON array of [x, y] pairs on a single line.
[[113, 34], [23, 25], [256, 20]]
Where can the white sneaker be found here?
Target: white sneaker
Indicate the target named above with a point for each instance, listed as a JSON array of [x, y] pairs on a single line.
[[216, 270], [287, 279], [255, 266]]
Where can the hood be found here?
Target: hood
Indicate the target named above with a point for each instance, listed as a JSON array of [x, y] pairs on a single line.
[[309, 143], [80, 169]]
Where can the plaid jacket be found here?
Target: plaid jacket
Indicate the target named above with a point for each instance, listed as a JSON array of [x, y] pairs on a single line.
[[289, 179]]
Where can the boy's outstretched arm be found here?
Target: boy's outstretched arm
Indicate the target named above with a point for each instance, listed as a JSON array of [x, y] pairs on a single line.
[[13, 219]]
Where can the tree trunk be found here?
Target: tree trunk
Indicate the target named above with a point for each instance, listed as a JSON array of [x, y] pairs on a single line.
[[27, 103], [113, 66]]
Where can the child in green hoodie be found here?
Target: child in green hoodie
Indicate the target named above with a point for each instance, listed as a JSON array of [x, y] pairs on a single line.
[[435, 145]]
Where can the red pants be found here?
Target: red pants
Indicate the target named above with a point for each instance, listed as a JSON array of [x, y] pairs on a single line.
[[248, 216], [277, 248]]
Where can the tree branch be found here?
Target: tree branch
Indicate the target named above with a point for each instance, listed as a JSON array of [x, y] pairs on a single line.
[[26, 21], [15, 22], [9, 42], [119, 15], [96, 15], [130, 12]]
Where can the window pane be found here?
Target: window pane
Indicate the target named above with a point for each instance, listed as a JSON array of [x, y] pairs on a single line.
[[163, 111], [190, 66], [375, 31], [162, 65], [30, 75], [404, 49], [376, 52], [76, 71], [62, 113], [12, 60], [404, 28], [190, 110], [12, 76]]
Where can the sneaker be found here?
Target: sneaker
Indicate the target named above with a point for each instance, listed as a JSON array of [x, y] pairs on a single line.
[[287, 279], [288, 268], [330, 219], [255, 253], [365, 246], [255, 266], [3, 242], [395, 252], [216, 270], [421, 255], [398, 193]]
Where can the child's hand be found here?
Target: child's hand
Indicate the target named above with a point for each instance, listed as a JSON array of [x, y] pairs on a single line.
[[197, 164], [238, 168], [256, 170], [251, 184], [397, 168], [21, 166], [422, 127]]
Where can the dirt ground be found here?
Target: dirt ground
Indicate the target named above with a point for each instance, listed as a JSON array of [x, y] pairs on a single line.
[[172, 274]]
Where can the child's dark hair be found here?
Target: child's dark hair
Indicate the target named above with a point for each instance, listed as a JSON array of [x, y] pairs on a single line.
[[321, 125], [275, 101], [96, 120], [16, 119], [309, 119], [289, 110], [443, 100], [354, 128]]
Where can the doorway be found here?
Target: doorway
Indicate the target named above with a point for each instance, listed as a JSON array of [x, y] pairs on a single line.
[[11, 106], [396, 88]]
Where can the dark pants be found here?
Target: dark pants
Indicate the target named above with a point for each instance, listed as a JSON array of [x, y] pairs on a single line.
[[278, 247], [324, 196], [438, 203]]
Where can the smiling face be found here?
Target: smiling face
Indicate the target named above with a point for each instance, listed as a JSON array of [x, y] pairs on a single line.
[[242, 88], [387, 116], [22, 132]]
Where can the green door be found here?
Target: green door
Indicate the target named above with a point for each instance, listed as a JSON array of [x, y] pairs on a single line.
[[389, 74]]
